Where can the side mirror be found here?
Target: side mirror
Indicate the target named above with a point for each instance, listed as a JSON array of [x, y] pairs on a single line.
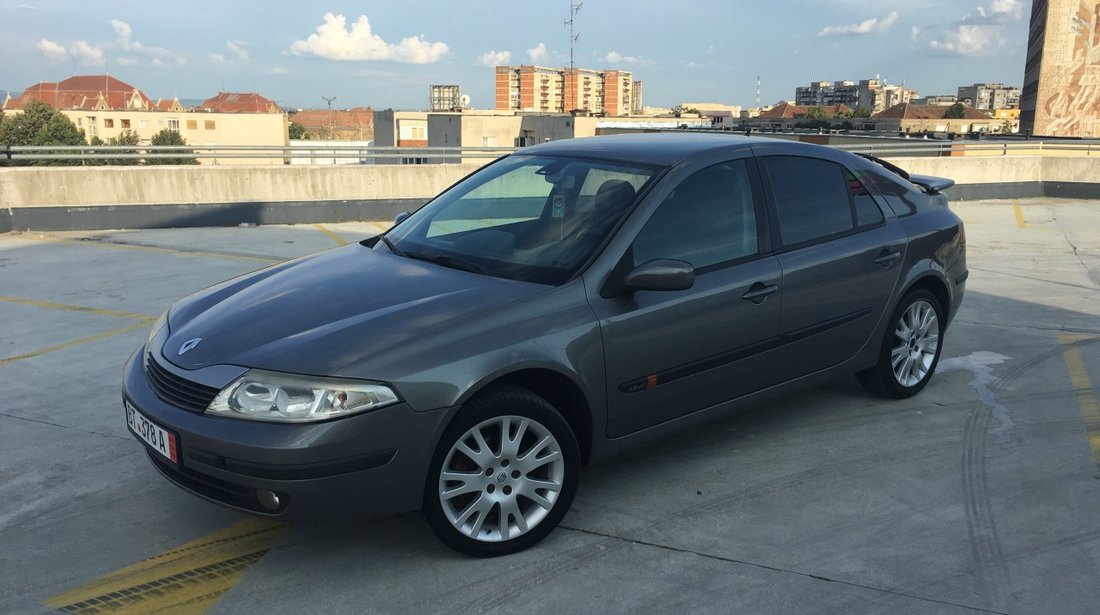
[[401, 217], [660, 274]]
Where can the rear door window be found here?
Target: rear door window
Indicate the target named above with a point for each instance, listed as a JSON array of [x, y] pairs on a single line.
[[811, 198]]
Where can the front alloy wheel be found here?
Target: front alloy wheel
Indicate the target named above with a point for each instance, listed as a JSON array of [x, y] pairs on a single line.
[[503, 476]]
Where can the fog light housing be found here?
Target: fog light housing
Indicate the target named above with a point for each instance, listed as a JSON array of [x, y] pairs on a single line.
[[269, 499]]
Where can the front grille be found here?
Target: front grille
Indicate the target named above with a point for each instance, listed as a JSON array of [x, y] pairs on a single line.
[[175, 390]]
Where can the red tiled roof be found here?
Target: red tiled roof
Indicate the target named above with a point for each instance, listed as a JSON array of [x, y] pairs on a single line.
[[906, 111], [787, 111], [239, 102], [358, 117], [167, 105], [784, 111], [84, 92]]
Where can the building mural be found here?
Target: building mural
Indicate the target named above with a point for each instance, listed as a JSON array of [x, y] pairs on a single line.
[[1068, 96]]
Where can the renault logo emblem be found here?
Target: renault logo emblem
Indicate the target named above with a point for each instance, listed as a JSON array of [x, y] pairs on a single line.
[[188, 345]]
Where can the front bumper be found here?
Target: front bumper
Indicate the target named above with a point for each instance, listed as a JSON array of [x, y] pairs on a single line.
[[367, 464]]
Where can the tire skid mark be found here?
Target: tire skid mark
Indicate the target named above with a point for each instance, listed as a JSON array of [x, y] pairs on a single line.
[[981, 524], [1018, 370]]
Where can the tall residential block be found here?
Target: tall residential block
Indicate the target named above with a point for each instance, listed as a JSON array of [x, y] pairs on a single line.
[[1061, 94], [990, 96], [551, 90], [873, 94]]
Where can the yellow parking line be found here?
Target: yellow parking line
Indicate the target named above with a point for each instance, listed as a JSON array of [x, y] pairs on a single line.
[[333, 236], [76, 308], [1086, 396], [126, 246], [188, 579], [1019, 212], [79, 342]]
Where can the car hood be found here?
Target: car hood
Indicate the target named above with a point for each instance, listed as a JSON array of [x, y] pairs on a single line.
[[317, 314]]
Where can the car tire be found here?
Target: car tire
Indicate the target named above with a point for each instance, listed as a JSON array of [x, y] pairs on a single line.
[[489, 494], [910, 349]]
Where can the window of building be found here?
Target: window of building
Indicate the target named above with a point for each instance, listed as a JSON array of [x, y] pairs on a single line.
[[125, 123], [144, 123], [79, 122], [811, 198], [208, 124], [108, 123], [174, 125], [709, 219], [490, 141], [192, 125]]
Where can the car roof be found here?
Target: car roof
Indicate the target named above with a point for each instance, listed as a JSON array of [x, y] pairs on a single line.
[[661, 149]]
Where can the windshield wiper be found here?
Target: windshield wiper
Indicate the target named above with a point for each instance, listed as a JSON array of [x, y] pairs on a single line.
[[447, 261], [393, 248]]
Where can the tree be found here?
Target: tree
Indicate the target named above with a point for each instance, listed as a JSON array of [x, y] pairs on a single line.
[[861, 112], [22, 128], [170, 137], [126, 137], [817, 113], [956, 111], [58, 130], [297, 131]]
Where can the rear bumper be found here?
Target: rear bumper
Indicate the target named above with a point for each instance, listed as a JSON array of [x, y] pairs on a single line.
[[363, 465]]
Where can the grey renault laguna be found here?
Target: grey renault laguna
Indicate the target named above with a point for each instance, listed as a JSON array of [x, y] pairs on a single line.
[[556, 307]]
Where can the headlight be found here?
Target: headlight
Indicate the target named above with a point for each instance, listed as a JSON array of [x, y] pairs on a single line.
[[157, 326], [285, 398]]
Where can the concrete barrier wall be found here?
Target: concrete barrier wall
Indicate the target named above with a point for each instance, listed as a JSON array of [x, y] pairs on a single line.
[[76, 198], [82, 186]]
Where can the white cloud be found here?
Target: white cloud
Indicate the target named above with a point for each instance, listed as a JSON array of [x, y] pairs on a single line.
[[157, 62], [998, 11], [494, 58], [979, 33], [968, 41], [537, 53], [91, 55], [237, 54], [867, 26], [614, 57], [238, 48], [54, 52], [123, 32], [278, 70], [334, 41], [127, 61]]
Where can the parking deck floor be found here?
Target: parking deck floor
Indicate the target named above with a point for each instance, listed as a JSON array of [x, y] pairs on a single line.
[[980, 495]]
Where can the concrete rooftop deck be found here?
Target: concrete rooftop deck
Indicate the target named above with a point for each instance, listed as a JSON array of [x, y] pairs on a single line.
[[979, 495]]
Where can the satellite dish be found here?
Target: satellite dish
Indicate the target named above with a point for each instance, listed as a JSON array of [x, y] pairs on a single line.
[[464, 100]]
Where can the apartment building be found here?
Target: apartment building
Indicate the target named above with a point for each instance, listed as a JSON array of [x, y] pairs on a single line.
[[105, 107], [549, 90], [989, 96], [874, 94]]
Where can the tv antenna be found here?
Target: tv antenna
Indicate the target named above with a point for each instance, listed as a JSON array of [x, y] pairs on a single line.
[[329, 101], [758, 91], [573, 10]]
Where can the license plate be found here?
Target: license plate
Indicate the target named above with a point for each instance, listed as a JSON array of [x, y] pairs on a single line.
[[159, 439]]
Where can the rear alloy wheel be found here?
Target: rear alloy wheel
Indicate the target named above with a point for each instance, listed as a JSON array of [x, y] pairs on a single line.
[[503, 476], [911, 350]]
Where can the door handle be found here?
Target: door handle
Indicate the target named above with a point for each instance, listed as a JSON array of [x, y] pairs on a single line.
[[886, 258], [759, 292]]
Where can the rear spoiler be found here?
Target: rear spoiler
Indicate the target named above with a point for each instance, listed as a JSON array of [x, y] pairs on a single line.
[[930, 184]]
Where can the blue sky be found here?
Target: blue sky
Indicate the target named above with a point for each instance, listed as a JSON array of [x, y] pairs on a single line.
[[386, 54]]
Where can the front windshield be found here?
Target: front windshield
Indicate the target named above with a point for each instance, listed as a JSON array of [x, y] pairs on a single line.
[[531, 218]]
